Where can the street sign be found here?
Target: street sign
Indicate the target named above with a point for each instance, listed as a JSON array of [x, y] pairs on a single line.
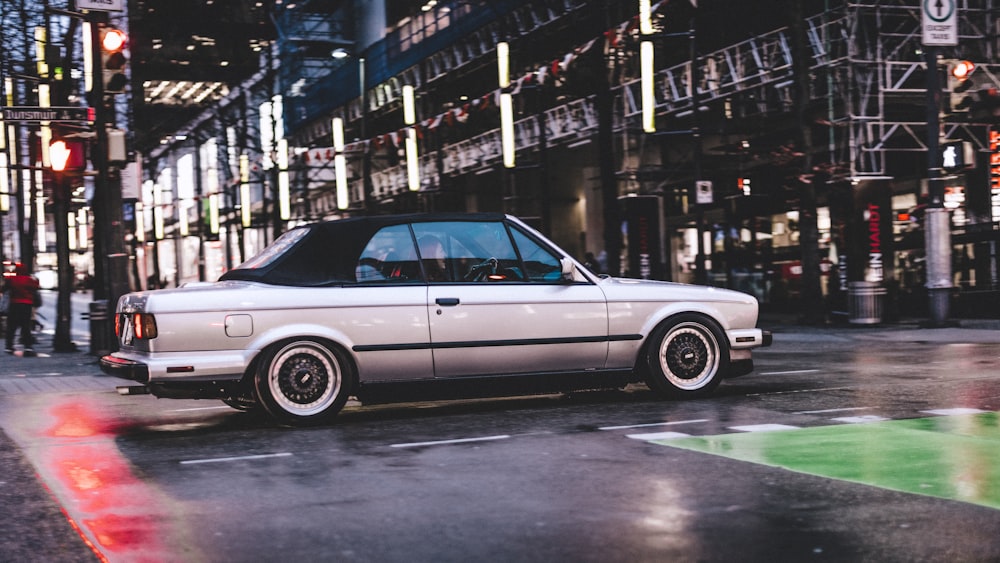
[[939, 22], [703, 192], [101, 5], [34, 113]]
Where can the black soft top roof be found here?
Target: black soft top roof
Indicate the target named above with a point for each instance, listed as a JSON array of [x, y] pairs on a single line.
[[327, 253]]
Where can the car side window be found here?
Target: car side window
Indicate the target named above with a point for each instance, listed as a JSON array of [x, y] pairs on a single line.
[[539, 263], [465, 251], [389, 257]]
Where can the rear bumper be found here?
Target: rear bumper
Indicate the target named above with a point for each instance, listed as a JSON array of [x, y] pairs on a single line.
[[125, 368], [171, 367]]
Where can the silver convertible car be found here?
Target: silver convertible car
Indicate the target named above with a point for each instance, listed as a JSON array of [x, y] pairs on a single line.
[[419, 307]]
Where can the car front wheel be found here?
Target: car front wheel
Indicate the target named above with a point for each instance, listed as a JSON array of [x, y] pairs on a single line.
[[303, 381], [687, 356]]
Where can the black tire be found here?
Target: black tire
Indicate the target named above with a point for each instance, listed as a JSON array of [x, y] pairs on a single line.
[[243, 398], [302, 381], [687, 356], [242, 405]]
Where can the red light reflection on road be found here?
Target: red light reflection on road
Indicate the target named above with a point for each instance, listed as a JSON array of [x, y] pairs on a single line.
[[95, 483]]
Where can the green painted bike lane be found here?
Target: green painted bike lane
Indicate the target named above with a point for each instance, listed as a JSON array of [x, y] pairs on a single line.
[[953, 457]]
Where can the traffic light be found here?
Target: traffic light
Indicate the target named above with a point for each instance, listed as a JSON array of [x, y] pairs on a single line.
[[986, 106], [957, 155], [959, 84], [67, 155], [113, 60]]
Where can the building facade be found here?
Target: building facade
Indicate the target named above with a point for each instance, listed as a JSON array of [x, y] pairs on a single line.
[[786, 147]]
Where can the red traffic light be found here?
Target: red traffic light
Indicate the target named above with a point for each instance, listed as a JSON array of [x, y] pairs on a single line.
[[113, 40], [963, 69], [113, 60]]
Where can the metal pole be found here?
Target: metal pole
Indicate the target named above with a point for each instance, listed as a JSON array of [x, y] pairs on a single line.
[[701, 276], [604, 103], [366, 163], [110, 258], [62, 341], [937, 223]]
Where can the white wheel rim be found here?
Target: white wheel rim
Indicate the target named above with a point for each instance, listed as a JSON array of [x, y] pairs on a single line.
[[304, 379], [688, 356]]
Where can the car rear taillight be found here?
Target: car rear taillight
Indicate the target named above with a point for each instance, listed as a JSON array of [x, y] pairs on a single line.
[[145, 326], [142, 325]]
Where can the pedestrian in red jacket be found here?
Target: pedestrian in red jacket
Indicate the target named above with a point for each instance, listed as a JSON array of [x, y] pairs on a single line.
[[22, 290]]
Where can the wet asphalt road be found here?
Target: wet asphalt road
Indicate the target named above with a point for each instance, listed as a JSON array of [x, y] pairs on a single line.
[[587, 477]]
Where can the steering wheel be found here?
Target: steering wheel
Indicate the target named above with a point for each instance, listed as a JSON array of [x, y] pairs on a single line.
[[481, 271]]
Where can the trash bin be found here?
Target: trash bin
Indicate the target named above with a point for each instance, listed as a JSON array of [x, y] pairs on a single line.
[[100, 329], [864, 302]]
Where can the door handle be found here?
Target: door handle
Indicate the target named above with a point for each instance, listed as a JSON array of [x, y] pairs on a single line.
[[447, 301]]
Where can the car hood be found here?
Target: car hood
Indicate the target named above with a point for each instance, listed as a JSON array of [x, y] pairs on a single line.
[[628, 289]]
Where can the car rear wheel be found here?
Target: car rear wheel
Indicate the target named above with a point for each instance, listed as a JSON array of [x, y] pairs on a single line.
[[687, 356], [303, 381]]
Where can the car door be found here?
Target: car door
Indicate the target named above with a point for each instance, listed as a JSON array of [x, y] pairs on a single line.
[[505, 308], [389, 312]]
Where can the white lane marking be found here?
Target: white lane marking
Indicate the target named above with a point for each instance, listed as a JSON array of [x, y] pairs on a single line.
[[653, 424], [955, 411], [658, 436], [202, 408], [797, 391], [763, 427], [860, 419], [237, 458], [833, 410], [445, 442], [790, 372]]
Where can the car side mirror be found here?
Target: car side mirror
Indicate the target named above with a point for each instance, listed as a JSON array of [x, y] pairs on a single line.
[[568, 269]]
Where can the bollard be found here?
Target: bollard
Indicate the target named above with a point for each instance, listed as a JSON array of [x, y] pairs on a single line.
[[100, 328]]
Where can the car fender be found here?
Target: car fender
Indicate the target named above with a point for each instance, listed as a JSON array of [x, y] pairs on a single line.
[[301, 330], [671, 309]]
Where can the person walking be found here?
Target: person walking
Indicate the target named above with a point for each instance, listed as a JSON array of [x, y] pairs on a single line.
[[22, 290]]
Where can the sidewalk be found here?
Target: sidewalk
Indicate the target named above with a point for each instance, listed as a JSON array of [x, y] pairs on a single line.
[[971, 331], [48, 362]]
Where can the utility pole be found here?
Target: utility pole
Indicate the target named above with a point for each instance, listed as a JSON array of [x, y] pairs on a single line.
[[939, 27], [110, 258], [937, 220]]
